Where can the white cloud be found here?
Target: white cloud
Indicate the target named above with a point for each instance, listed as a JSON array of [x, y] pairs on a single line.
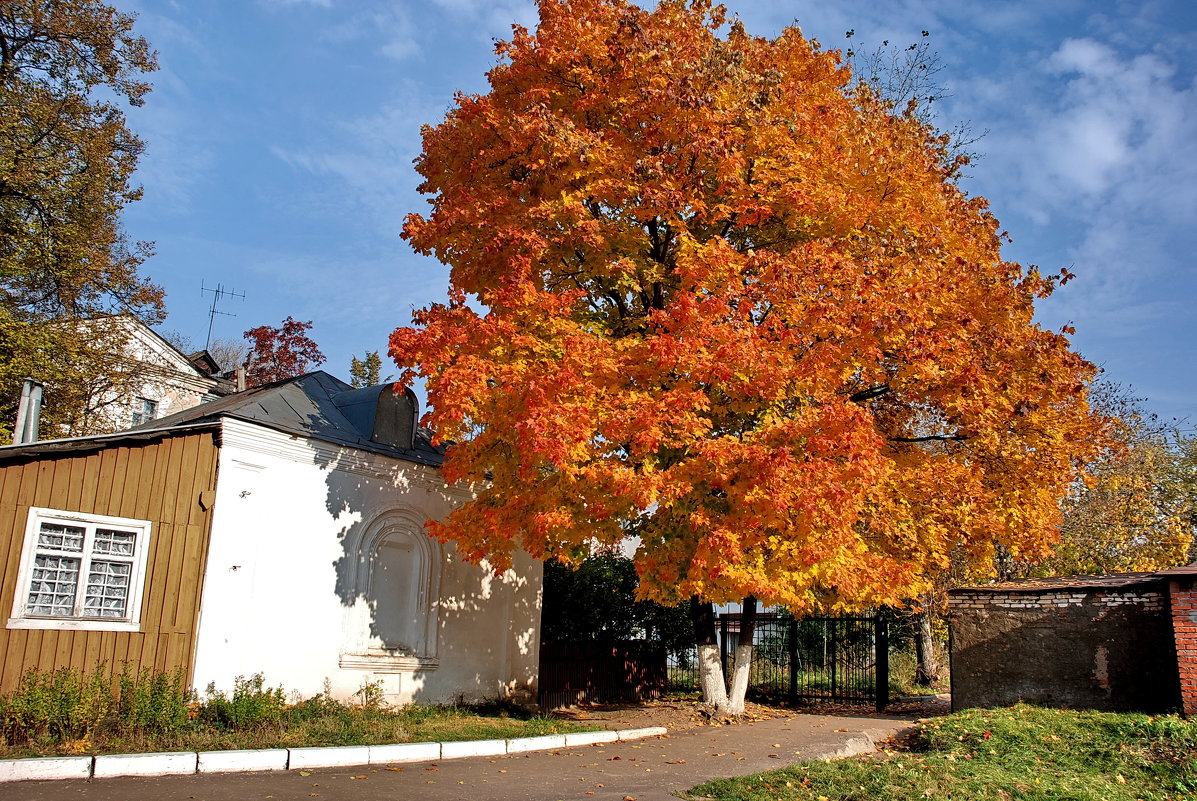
[[388, 26]]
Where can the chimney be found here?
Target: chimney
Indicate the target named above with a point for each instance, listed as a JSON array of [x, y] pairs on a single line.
[[239, 378], [29, 412]]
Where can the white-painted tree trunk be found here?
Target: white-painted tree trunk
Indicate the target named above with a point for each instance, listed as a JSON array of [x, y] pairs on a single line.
[[739, 682], [710, 678]]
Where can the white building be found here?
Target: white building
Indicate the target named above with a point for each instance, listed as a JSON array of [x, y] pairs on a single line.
[[281, 532]]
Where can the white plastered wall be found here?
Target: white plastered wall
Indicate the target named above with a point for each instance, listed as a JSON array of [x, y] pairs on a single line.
[[286, 593]]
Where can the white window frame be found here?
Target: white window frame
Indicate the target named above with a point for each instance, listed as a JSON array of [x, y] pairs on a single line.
[[141, 406], [21, 619]]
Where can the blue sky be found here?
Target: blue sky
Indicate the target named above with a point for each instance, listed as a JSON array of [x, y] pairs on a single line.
[[280, 136]]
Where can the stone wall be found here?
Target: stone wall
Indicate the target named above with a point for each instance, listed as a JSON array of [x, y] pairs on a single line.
[[1086, 648]]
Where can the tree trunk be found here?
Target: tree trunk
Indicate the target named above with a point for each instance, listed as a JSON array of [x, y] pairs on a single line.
[[927, 671], [710, 666], [743, 665]]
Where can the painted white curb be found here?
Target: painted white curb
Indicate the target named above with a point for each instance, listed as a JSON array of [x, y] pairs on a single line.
[[637, 734], [469, 748], [12, 770], [20, 770], [543, 743], [167, 764], [590, 737], [404, 752], [331, 757], [239, 761]]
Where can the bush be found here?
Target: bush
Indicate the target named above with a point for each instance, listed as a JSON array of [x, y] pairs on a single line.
[[152, 702], [62, 705], [252, 706]]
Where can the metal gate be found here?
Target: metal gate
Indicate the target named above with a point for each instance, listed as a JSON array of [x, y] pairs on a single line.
[[835, 658]]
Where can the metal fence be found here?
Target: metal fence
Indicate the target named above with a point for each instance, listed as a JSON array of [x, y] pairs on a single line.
[[834, 658]]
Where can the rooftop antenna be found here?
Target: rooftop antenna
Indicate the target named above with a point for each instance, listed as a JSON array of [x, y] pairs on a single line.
[[217, 294]]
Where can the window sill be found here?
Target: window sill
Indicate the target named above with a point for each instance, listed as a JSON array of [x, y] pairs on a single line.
[[383, 662], [73, 624]]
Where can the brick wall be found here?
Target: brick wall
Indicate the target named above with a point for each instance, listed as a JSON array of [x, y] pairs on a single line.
[[1184, 627], [1087, 648]]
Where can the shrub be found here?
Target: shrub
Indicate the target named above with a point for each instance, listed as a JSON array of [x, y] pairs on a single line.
[[253, 705], [62, 705], [151, 702]]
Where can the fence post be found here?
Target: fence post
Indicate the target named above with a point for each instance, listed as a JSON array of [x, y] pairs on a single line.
[[832, 623], [723, 647], [792, 649], [881, 673]]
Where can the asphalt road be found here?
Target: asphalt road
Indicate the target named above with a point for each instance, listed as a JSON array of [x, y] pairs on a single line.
[[656, 769]]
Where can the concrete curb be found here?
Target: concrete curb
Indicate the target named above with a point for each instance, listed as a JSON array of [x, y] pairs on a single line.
[[190, 762], [404, 752], [590, 738], [545, 743], [38, 768], [243, 761], [863, 743], [330, 757], [172, 763], [469, 748]]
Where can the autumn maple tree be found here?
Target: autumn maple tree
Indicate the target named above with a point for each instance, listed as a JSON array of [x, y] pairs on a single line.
[[708, 294], [280, 352]]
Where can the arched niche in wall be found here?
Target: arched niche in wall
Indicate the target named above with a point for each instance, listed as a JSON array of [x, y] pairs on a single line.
[[396, 581]]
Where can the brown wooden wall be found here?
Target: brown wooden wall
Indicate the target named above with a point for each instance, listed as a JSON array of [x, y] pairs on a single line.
[[159, 481]]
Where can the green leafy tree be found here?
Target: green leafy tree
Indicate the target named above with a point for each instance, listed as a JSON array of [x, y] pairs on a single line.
[[1135, 510], [596, 601], [66, 165], [366, 372]]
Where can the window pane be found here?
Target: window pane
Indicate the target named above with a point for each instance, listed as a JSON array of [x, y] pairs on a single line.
[[117, 543], [107, 589], [52, 591], [60, 537]]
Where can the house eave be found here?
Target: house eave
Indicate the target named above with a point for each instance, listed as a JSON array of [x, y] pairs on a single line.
[[76, 445]]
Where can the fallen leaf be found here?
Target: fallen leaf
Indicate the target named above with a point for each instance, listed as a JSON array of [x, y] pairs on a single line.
[[305, 773]]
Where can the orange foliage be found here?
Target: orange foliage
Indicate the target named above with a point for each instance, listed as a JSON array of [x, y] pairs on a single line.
[[733, 307]]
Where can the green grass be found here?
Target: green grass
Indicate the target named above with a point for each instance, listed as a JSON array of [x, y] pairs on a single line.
[[67, 712], [1022, 753], [343, 725]]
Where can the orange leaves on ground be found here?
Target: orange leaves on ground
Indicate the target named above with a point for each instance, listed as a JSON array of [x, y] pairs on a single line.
[[728, 304]]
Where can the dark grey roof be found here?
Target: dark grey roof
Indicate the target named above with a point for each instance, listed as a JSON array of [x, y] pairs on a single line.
[[1050, 583], [74, 446], [315, 406]]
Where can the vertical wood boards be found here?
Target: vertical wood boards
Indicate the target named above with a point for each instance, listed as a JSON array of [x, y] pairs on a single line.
[[159, 481]]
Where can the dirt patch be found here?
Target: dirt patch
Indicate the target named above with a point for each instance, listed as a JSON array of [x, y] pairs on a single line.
[[679, 714]]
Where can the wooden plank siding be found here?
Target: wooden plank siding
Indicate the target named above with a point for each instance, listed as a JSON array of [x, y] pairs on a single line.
[[159, 481]]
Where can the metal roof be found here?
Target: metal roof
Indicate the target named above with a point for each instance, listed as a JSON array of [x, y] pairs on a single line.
[[315, 406], [1110, 581]]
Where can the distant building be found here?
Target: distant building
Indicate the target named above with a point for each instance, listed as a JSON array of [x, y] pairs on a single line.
[[146, 378]]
